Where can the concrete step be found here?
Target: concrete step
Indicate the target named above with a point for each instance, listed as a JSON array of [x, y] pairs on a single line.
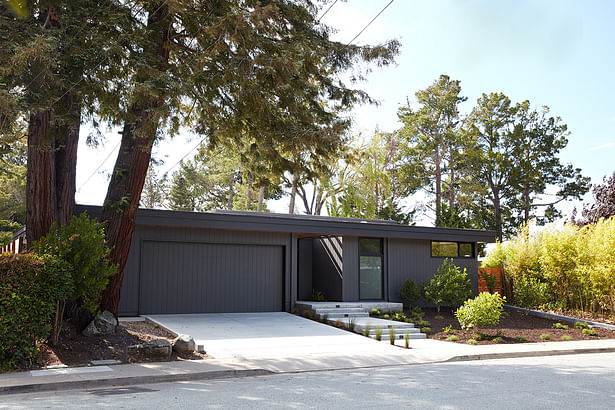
[[344, 315], [372, 331], [322, 311], [385, 337]]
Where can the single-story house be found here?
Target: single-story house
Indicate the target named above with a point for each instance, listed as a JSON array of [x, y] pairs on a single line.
[[235, 261]]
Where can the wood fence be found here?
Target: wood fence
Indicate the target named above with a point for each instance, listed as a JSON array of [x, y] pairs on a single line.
[[15, 246]]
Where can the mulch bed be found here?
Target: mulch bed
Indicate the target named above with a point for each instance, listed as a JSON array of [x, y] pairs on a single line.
[[512, 325], [74, 349]]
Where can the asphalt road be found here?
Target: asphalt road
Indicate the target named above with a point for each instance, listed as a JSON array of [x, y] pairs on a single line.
[[555, 382]]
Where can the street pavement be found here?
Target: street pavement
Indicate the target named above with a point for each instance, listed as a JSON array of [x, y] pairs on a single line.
[[583, 381]]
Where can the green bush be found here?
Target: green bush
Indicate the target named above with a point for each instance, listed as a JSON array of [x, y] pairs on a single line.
[[581, 325], [566, 337], [589, 332], [453, 338], [545, 336], [483, 310], [30, 286], [449, 330], [495, 258], [472, 342], [417, 313], [410, 292], [560, 326], [498, 339], [398, 316], [530, 293], [81, 244], [449, 286]]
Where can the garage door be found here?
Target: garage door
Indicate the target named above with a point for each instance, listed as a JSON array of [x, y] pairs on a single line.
[[178, 277]]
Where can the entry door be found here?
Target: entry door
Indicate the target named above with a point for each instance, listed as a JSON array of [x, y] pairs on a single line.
[[371, 260]]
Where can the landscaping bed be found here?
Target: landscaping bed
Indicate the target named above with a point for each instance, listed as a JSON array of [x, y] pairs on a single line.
[[514, 327], [75, 349]]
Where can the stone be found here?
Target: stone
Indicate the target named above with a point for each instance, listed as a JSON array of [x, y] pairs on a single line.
[[158, 347], [103, 324], [184, 344]]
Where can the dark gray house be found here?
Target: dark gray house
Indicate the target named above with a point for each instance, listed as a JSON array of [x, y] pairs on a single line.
[[231, 261]]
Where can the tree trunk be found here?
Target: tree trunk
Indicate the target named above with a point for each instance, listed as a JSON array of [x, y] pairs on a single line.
[[249, 193], [231, 192], [438, 177], [41, 208], [497, 213], [124, 192], [66, 164], [293, 194], [526, 203], [451, 188], [261, 198]]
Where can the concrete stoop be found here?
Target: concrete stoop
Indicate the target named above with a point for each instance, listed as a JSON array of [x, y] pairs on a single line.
[[357, 313]]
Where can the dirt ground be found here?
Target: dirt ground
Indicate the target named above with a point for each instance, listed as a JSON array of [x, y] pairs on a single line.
[[514, 327], [75, 349]]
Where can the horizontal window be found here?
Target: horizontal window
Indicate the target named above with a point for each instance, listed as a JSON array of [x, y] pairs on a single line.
[[452, 249]]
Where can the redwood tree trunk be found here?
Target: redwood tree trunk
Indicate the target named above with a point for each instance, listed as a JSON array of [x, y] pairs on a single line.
[[124, 192], [66, 165], [40, 183], [261, 198], [293, 194]]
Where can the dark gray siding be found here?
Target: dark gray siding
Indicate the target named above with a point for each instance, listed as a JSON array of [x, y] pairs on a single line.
[[327, 266], [180, 277], [411, 259], [304, 270], [351, 268], [129, 302]]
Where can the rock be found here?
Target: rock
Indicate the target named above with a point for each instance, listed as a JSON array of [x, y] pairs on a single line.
[[103, 324], [184, 344], [158, 347]]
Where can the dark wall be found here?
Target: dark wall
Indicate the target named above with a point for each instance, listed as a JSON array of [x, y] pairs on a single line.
[[327, 266], [129, 302], [304, 269], [351, 269], [411, 259]]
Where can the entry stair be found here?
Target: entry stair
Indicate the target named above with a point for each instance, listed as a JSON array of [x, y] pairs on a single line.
[[357, 314]]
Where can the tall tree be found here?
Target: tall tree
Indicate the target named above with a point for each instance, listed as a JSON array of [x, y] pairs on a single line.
[[432, 140], [604, 202]]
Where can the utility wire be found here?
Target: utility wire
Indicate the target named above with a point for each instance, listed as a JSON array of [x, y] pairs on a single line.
[[368, 24], [184, 157], [101, 164], [326, 11]]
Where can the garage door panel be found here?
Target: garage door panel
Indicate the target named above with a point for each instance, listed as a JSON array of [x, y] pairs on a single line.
[[199, 278]]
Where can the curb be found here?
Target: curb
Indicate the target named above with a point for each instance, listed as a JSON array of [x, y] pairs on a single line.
[[512, 355], [131, 380], [559, 317]]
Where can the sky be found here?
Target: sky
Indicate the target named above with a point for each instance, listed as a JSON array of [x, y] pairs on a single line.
[[553, 53]]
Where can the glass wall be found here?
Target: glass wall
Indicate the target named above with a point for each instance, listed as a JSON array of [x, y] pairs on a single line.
[[371, 258]]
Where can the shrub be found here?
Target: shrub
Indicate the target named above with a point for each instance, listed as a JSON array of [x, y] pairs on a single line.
[[407, 339], [378, 333], [29, 289], [392, 335], [495, 258], [426, 330], [530, 293], [318, 296], [498, 339], [410, 292], [483, 310], [472, 342], [449, 286], [520, 339], [449, 330], [417, 313], [376, 312], [452, 338], [545, 336], [559, 326], [81, 244], [566, 337], [398, 316], [581, 325], [589, 332]]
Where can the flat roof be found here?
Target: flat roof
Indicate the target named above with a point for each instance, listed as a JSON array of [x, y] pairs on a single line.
[[296, 223]]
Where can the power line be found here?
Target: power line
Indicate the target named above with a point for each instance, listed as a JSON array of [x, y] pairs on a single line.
[[326, 11], [368, 24], [184, 157], [96, 170]]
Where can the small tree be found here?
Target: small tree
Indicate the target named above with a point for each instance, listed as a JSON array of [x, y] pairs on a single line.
[[483, 310], [449, 286], [410, 292]]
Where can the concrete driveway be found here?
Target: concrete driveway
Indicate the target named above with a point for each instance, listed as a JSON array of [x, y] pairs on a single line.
[[281, 341]]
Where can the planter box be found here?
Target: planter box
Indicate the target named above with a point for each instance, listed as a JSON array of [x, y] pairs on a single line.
[[482, 283]]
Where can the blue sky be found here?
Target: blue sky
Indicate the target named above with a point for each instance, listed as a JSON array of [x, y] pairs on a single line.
[[554, 53]]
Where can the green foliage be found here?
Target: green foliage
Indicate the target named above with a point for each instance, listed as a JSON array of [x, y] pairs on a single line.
[[351, 325], [483, 310], [529, 292], [545, 336], [498, 339], [398, 316], [29, 289], [449, 330], [422, 323], [366, 330], [439, 317], [452, 338], [417, 313], [490, 280], [376, 312], [581, 325], [559, 326], [566, 337], [426, 330], [406, 339], [589, 332], [392, 335], [378, 333], [495, 258], [449, 286], [568, 268], [386, 316], [472, 342], [81, 245], [410, 292], [520, 339], [318, 296]]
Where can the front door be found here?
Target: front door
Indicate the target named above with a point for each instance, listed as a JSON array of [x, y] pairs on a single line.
[[371, 260]]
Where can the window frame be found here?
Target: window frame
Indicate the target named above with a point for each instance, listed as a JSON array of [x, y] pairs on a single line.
[[382, 268], [472, 244]]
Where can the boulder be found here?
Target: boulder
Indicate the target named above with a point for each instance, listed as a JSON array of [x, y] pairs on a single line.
[[158, 347], [103, 324], [184, 344]]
